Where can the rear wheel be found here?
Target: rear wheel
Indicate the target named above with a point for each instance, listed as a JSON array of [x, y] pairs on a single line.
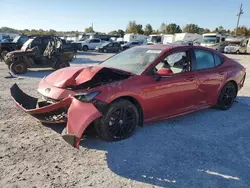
[[119, 122], [227, 96], [18, 68], [104, 50], [85, 48], [60, 65]]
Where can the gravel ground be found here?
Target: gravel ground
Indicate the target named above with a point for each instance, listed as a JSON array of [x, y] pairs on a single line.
[[209, 148]]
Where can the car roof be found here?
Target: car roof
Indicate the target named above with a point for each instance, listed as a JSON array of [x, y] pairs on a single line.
[[167, 47]]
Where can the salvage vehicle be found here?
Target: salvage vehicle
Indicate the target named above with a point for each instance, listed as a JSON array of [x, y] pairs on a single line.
[[235, 45], [109, 47], [214, 41], [130, 45], [90, 44], [140, 85], [40, 52], [16, 44]]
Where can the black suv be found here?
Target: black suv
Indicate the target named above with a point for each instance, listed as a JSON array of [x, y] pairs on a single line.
[[16, 44]]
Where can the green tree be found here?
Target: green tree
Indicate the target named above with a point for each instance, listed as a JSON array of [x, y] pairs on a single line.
[[139, 29], [148, 29], [132, 27], [162, 28], [89, 30], [191, 28], [243, 31], [172, 29], [51, 32], [206, 30]]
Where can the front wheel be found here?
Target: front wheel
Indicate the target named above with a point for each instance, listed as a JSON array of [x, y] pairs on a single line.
[[85, 48], [60, 65], [18, 68], [119, 122], [227, 96], [3, 54]]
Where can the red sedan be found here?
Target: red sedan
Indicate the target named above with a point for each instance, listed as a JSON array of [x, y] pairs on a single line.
[[140, 85]]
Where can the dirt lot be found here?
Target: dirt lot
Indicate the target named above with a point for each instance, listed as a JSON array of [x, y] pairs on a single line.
[[203, 149]]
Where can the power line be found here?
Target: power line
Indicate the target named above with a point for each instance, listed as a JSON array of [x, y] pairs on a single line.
[[239, 14]]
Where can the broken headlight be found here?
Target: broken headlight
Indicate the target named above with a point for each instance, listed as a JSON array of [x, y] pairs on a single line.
[[86, 97]]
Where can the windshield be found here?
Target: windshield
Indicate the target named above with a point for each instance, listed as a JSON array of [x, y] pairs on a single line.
[[234, 44], [211, 39], [26, 44], [16, 39], [134, 60]]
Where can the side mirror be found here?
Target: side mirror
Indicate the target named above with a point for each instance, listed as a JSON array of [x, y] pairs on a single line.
[[164, 72]]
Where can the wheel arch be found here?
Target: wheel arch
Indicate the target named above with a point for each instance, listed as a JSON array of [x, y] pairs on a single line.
[[235, 84], [137, 105]]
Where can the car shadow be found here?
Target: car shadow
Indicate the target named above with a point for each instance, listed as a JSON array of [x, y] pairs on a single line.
[[208, 148], [91, 53], [84, 61], [37, 73]]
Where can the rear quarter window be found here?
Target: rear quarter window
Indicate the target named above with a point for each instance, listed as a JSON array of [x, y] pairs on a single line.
[[217, 60]]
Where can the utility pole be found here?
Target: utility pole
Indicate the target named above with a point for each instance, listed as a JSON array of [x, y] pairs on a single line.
[[239, 14], [92, 26]]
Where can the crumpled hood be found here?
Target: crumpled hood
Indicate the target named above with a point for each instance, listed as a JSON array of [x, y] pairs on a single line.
[[72, 76]]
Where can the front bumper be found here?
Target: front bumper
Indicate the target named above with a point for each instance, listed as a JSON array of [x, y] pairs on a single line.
[[78, 115]]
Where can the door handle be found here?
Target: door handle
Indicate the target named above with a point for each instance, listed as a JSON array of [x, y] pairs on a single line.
[[222, 73], [191, 78]]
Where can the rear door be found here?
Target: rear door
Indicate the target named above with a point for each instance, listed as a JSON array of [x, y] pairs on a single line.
[[93, 43], [210, 75], [116, 47]]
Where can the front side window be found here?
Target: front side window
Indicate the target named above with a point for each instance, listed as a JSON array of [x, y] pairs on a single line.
[[23, 39], [203, 60], [177, 62]]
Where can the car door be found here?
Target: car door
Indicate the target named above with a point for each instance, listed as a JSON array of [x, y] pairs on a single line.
[[210, 75], [93, 43], [116, 47], [174, 94], [37, 42], [109, 47]]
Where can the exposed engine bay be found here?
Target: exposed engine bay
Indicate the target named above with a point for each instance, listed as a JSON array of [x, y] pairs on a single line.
[[104, 76]]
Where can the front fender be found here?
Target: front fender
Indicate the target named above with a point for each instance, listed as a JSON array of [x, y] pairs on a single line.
[[80, 116]]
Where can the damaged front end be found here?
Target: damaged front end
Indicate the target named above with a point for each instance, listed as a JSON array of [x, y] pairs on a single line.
[[74, 110]]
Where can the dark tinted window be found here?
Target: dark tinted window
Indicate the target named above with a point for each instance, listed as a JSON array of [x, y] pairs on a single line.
[[134, 43], [94, 41], [116, 44], [217, 60], [36, 41], [204, 60], [23, 39]]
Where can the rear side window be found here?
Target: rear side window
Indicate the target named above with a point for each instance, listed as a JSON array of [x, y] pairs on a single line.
[[217, 60], [204, 60]]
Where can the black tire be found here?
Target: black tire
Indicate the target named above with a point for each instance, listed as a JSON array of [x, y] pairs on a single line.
[[64, 131], [3, 54], [60, 65], [237, 52], [113, 127], [18, 68], [85, 48], [227, 96], [104, 50]]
